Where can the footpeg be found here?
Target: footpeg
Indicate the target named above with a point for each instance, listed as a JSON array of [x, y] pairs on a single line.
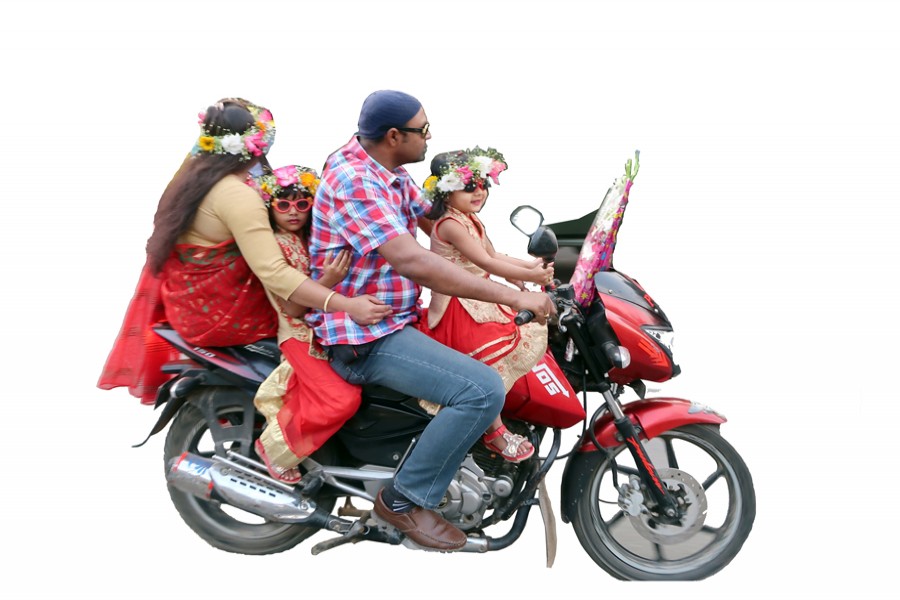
[[354, 535]]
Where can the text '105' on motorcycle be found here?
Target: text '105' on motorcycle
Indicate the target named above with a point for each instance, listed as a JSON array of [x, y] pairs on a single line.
[[651, 488]]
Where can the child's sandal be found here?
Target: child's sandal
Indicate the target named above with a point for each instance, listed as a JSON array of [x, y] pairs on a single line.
[[289, 476], [514, 451]]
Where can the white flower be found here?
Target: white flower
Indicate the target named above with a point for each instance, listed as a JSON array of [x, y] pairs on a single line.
[[450, 182], [483, 165], [233, 144]]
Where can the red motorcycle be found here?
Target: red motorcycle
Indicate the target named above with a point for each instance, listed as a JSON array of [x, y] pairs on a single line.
[[651, 488]]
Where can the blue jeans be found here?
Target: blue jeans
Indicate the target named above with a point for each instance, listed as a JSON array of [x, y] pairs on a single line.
[[471, 393]]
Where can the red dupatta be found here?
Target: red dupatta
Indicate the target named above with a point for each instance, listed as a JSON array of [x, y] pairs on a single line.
[[138, 353], [208, 294]]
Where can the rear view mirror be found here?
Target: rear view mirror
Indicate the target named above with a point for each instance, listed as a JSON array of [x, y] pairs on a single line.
[[543, 244], [526, 219]]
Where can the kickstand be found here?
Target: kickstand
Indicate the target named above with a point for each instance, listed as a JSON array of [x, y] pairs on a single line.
[[348, 510], [354, 535]]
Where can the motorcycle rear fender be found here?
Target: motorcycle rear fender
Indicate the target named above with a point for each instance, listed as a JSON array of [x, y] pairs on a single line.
[[172, 398], [652, 416]]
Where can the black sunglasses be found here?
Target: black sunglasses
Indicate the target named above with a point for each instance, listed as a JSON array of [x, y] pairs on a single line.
[[475, 184], [423, 131]]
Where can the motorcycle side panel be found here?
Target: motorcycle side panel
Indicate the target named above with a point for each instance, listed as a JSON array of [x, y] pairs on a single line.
[[654, 416], [544, 396]]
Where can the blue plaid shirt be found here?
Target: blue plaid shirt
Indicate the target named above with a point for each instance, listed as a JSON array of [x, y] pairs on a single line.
[[359, 206]]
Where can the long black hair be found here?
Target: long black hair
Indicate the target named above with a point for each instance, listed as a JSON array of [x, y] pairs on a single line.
[[193, 180], [439, 166]]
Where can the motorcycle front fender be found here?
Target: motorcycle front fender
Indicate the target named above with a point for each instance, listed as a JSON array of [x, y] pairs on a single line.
[[651, 416]]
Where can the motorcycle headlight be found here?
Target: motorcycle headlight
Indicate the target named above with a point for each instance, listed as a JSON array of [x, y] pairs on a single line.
[[664, 337]]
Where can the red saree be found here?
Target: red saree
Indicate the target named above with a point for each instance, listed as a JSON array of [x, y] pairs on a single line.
[[212, 298], [208, 294]]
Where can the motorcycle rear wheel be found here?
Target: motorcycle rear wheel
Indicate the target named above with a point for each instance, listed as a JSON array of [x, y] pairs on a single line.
[[222, 526], [719, 494]]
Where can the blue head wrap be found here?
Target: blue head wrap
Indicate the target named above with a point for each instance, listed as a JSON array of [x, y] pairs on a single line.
[[385, 109]]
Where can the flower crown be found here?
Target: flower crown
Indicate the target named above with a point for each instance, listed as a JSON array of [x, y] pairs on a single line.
[[255, 141], [274, 184], [462, 168]]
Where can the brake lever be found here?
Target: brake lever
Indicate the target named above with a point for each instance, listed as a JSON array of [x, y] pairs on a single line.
[[562, 315]]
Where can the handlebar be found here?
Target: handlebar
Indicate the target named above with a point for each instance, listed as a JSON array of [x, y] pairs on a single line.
[[523, 316], [569, 314], [557, 295]]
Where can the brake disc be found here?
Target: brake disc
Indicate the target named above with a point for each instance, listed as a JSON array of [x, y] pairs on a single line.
[[691, 499]]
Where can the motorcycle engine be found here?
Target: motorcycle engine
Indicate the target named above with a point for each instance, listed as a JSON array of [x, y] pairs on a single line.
[[483, 480], [472, 492]]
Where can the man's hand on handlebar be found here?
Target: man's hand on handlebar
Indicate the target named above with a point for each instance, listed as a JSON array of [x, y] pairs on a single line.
[[538, 304]]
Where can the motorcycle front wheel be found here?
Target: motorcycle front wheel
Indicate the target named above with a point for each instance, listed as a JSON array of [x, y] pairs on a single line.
[[705, 474], [236, 426]]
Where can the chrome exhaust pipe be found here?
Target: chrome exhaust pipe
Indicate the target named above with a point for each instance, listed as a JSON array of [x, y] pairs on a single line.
[[222, 480]]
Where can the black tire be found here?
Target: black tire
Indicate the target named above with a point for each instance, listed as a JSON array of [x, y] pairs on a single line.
[[713, 479], [237, 426]]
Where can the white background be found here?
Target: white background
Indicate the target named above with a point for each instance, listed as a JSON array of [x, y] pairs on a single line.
[[763, 220]]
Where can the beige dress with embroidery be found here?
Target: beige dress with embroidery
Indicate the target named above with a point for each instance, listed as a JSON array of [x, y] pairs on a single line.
[[484, 330]]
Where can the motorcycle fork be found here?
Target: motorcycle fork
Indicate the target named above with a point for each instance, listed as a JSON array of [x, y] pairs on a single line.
[[669, 511], [647, 471]]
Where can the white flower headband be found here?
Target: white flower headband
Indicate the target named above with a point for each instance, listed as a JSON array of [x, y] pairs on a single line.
[[470, 165], [256, 141]]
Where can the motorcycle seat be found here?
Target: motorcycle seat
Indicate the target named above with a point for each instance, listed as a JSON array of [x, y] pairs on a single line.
[[381, 392]]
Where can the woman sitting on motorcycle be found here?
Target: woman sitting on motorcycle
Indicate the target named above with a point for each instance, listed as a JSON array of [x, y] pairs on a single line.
[[211, 245]]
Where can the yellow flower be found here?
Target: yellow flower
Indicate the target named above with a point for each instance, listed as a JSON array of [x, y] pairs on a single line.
[[308, 180], [430, 183], [206, 143]]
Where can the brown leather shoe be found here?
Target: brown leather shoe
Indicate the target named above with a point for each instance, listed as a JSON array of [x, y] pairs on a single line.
[[424, 527]]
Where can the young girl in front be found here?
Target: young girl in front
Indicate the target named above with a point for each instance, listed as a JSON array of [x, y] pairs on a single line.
[[458, 188], [303, 400]]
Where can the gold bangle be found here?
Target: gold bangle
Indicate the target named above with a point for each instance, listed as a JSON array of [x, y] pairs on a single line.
[[325, 306]]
